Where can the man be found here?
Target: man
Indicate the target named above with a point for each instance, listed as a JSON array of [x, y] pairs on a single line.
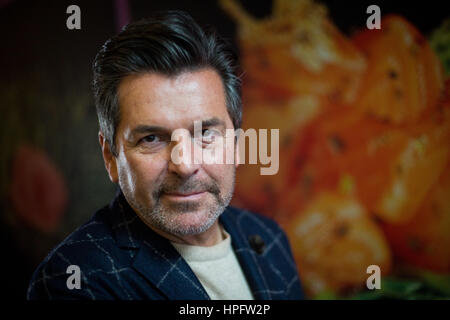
[[169, 233]]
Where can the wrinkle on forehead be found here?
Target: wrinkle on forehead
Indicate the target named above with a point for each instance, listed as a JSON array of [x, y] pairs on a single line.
[[173, 101]]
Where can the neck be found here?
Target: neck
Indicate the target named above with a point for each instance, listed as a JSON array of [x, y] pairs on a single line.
[[210, 237]]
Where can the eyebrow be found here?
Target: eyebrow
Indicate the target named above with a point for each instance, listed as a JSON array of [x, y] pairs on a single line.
[[142, 129], [213, 122]]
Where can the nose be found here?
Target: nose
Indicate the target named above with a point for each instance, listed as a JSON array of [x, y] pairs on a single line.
[[182, 157]]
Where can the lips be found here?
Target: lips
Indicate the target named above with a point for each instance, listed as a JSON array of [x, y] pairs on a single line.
[[186, 196]]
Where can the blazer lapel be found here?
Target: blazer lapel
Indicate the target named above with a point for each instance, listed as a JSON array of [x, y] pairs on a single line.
[[160, 263], [249, 260], [156, 259]]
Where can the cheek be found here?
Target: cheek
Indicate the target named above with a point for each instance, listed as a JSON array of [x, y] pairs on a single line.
[[140, 171], [223, 174], [222, 152]]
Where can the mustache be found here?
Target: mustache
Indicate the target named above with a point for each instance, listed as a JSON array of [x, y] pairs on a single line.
[[187, 186]]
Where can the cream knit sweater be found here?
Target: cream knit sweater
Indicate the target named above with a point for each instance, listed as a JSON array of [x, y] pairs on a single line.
[[218, 270]]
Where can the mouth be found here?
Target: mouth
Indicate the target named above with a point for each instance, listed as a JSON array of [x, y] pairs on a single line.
[[177, 196]]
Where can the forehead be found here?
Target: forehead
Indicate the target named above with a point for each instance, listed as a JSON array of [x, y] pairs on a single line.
[[172, 101]]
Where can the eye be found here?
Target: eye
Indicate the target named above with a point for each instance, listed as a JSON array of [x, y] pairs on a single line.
[[209, 135], [151, 138], [153, 142]]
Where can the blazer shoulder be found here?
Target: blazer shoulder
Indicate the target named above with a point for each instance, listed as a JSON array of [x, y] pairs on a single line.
[[86, 248], [79, 244]]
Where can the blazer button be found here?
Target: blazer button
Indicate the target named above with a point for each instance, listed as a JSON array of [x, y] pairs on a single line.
[[257, 243]]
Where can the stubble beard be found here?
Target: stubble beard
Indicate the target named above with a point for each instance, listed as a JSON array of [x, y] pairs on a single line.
[[166, 216]]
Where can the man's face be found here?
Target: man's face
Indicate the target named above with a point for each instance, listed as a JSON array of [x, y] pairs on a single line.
[[184, 198]]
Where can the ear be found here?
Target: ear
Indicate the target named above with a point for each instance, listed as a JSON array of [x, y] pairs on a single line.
[[237, 156], [108, 158]]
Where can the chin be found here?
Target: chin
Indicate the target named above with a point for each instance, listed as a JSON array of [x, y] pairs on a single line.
[[192, 222], [193, 219]]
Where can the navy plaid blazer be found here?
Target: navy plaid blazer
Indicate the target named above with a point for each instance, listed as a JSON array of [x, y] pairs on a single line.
[[121, 258]]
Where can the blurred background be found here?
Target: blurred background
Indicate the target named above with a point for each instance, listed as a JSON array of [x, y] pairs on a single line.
[[364, 119]]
